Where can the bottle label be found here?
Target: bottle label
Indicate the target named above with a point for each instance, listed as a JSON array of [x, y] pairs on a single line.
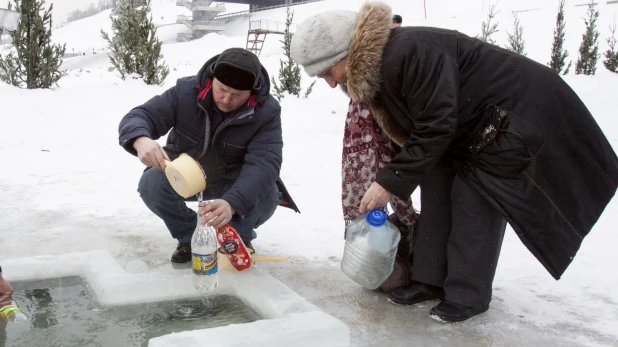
[[7, 311], [205, 264]]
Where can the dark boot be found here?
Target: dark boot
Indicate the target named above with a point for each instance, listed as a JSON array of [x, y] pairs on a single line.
[[450, 312], [414, 293], [182, 254]]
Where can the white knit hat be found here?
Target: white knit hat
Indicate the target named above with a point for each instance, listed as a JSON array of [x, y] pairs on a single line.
[[323, 40]]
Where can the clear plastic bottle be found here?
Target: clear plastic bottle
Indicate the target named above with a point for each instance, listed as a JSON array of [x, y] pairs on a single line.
[[370, 249], [204, 252], [11, 312]]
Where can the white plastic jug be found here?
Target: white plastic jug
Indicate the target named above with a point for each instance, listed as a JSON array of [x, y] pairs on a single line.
[[370, 249]]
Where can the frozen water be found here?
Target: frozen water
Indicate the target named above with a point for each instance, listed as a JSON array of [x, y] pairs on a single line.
[[62, 312]]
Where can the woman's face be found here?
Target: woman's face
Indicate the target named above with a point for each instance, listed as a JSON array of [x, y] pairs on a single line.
[[336, 74]]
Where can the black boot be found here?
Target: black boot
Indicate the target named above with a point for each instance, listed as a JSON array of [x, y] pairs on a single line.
[[450, 312], [182, 254], [414, 293]]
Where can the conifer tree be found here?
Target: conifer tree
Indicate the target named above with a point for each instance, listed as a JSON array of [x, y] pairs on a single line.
[[35, 61], [289, 71], [134, 47], [558, 54], [611, 55], [516, 39], [487, 28], [589, 48]]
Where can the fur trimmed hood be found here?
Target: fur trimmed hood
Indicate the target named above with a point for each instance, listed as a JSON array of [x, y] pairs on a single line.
[[365, 62], [365, 58]]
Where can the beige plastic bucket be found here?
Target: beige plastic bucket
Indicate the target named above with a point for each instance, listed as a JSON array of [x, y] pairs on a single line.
[[185, 175]]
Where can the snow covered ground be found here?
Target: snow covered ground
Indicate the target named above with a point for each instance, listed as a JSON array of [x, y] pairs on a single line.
[[67, 186]]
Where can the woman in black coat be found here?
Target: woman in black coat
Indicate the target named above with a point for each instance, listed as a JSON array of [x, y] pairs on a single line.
[[489, 135]]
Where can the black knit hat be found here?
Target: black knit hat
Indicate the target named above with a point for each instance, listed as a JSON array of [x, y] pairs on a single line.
[[237, 68], [397, 19]]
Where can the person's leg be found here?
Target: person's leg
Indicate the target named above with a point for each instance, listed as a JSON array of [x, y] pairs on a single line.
[[159, 196], [259, 215], [429, 261], [473, 250], [429, 255], [473, 247]]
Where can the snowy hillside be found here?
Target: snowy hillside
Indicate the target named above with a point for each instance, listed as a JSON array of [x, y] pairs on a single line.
[[67, 186]]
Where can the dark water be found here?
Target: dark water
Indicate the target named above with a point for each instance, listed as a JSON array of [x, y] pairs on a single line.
[[63, 314]]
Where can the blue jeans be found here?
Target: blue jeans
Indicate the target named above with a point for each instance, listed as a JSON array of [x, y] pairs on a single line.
[[159, 196]]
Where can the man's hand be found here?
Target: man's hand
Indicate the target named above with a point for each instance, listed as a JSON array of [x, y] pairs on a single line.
[[150, 152], [6, 291], [220, 213], [375, 197]]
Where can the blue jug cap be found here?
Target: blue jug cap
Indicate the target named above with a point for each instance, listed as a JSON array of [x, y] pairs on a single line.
[[376, 218]]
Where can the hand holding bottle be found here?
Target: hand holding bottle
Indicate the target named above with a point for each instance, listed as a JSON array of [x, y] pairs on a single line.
[[217, 213]]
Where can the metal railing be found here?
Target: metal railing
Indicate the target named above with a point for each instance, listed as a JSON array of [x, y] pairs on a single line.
[[184, 37], [202, 5], [72, 55], [201, 25], [241, 13], [270, 26]]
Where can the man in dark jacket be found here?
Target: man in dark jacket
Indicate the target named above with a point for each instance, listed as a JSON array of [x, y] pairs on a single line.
[[226, 119], [489, 135], [397, 20]]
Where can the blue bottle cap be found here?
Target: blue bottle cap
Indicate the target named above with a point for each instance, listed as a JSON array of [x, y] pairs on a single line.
[[376, 218]]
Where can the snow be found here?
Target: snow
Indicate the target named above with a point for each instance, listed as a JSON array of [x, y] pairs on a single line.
[[67, 186]]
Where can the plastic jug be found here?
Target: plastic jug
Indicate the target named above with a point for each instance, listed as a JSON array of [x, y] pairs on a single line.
[[370, 249]]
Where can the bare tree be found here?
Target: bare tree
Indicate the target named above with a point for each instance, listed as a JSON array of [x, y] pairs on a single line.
[[488, 28], [589, 48], [611, 55], [516, 39]]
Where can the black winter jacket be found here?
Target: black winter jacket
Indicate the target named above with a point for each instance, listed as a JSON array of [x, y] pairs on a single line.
[[522, 137]]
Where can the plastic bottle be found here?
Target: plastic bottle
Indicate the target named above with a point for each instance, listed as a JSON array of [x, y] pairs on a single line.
[[204, 254], [370, 249], [11, 312]]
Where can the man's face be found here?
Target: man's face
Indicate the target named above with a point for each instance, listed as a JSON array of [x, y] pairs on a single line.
[[336, 74], [228, 99]]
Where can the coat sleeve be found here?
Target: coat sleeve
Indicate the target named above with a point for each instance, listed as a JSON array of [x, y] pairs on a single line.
[[152, 119], [429, 80], [260, 169]]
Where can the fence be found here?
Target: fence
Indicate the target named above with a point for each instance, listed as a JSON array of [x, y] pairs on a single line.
[[202, 24], [211, 5], [270, 26], [240, 13]]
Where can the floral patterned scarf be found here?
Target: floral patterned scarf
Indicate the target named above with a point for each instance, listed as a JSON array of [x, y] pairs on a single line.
[[366, 149]]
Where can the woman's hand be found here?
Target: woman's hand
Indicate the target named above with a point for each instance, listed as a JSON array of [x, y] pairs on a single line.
[[375, 197]]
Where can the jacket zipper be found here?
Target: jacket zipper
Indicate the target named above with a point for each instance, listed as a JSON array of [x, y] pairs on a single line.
[[212, 141], [206, 134], [238, 117]]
